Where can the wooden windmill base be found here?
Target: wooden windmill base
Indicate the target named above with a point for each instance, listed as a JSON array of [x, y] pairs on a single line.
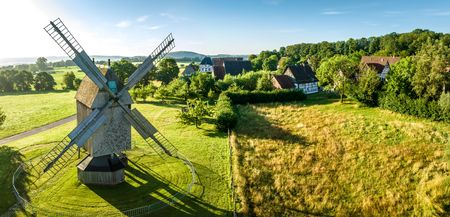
[[102, 170]]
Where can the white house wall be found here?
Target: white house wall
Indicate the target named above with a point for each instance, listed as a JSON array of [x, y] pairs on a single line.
[[206, 68], [308, 87]]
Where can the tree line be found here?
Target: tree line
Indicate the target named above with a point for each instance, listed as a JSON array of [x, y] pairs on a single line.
[[417, 85]]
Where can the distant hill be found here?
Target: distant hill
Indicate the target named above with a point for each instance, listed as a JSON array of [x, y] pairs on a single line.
[[185, 55], [181, 56]]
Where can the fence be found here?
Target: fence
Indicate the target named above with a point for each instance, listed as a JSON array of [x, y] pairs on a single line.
[[25, 205]]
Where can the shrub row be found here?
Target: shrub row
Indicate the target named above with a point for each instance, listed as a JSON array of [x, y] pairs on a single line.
[[243, 97], [226, 117], [417, 107]]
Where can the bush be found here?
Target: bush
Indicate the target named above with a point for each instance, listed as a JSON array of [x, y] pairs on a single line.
[[444, 102], [264, 83], [68, 80], [201, 84], [226, 118], [178, 88], [77, 83], [367, 87], [243, 97], [162, 92], [44, 81], [417, 107], [2, 117]]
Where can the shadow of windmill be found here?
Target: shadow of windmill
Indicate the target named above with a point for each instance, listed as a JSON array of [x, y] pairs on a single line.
[[165, 197]]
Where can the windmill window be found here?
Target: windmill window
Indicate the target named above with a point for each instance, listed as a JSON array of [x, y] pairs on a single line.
[[113, 86]]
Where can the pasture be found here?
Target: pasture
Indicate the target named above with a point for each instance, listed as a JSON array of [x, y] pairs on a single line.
[[149, 178], [25, 111], [320, 157]]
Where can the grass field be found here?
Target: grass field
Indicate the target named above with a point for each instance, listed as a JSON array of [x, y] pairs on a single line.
[[320, 157], [148, 179], [34, 109], [58, 73]]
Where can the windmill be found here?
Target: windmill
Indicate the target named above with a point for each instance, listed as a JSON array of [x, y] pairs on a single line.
[[104, 116]]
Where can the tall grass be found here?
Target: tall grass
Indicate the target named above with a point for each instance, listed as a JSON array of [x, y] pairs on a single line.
[[339, 160]]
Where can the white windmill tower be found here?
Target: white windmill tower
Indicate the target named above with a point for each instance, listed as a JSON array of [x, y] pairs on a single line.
[[104, 116]]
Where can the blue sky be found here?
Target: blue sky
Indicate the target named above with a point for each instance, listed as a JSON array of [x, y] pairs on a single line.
[[210, 27]]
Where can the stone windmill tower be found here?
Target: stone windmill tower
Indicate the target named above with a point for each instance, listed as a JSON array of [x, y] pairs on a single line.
[[104, 116]]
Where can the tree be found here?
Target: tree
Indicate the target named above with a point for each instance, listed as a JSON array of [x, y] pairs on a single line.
[[399, 78], [23, 80], [367, 87], [201, 83], [264, 83], [179, 88], [44, 81], [444, 103], [270, 64], [195, 112], [257, 64], [68, 80], [167, 70], [123, 69], [284, 62], [41, 63], [252, 57], [336, 73], [6, 84], [431, 76], [2, 117]]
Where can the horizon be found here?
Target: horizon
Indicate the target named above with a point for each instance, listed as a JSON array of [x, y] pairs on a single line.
[[130, 29]]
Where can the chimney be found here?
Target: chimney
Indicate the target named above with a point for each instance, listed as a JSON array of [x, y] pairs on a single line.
[[109, 62], [93, 60]]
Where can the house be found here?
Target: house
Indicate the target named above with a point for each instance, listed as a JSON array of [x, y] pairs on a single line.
[[188, 71], [206, 65], [303, 77], [282, 82], [236, 67], [221, 61], [218, 72], [380, 64]]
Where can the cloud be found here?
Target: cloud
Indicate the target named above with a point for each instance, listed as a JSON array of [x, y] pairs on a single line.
[[333, 12], [173, 17], [123, 24], [142, 19], [440, 13], [152, 27]]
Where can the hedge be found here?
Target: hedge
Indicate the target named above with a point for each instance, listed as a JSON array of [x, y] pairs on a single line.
[[226, 117], [417, 107], [244, 97]]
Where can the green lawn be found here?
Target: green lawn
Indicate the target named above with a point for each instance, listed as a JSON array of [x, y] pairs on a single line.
[[320, 157], [148, 179], [27, 111], [58, 73]]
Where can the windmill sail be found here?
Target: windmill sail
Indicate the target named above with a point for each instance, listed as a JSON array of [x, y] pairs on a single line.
[[160, 52], [56, 164], [62, 36], [87, 127], [57, 156], [151, 135]]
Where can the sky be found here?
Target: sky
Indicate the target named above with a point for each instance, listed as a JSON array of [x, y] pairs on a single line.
[[131, 28]]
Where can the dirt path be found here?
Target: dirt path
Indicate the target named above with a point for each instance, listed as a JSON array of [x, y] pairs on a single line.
[[37, 130]]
